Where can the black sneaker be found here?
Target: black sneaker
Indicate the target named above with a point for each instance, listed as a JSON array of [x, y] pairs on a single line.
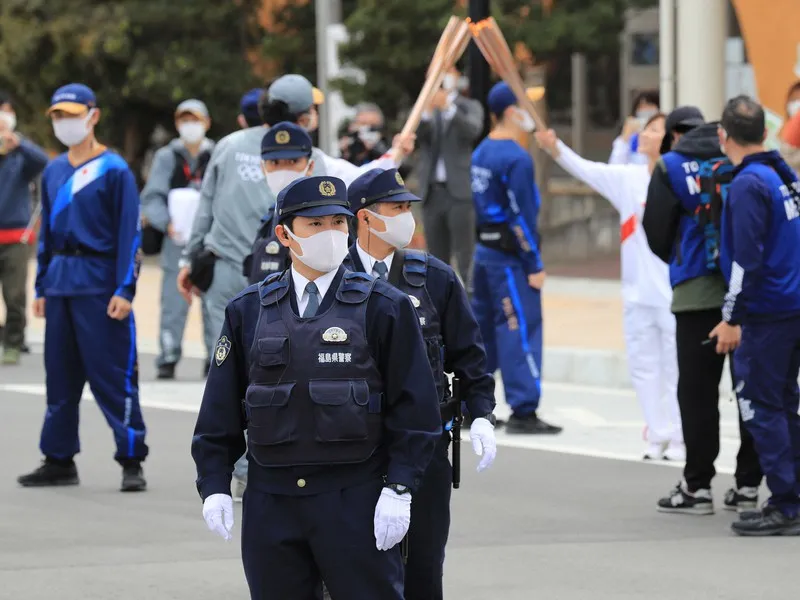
[[741, 499], [51, 473], [133, 478], [681, 501], [166, 371], [770, 521], [531, 424]]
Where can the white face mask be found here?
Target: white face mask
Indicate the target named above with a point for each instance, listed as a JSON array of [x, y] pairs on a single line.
[[192, 131], [277, 180], [525, 121], [643, 116], [793, 107], [368, 136], [72, 132], [9, 118], [323, 251], [313, 122], [399, 229], [449, 82]]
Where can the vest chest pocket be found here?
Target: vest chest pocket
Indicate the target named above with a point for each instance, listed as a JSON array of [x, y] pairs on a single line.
[[340, 409], [273, 352], [271, 419]]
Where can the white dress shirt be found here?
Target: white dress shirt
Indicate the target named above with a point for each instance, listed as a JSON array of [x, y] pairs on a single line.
[[323, 284], [447, 114], [369, 261]]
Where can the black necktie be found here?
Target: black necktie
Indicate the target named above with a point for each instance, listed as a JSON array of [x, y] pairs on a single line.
[[381, 270], [313, 300]]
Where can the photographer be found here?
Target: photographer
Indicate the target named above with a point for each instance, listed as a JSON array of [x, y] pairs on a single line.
[[364, 141]]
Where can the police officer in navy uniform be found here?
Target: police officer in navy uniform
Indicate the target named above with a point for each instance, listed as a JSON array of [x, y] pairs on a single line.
[[761, 314], [328, 373], [384, 226]]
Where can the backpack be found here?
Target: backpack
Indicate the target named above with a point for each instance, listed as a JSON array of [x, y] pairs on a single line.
[[713, 179]]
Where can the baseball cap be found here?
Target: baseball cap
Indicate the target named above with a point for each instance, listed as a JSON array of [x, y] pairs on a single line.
[[285, 141], [501, 96], [295, 90], [193, 107], [248, 106], [683, 117], [73, 99], [316, 196], [378, 185], [318, 96]]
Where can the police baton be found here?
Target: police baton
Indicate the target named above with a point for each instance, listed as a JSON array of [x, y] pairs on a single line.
[[457, 420]]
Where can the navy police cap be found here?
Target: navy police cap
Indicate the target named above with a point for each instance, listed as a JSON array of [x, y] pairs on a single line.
[[317, 196], [378, 185], [285, 141]]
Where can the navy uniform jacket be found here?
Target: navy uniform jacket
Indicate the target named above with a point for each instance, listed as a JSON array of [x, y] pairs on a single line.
[[411, 419], [464, 353]]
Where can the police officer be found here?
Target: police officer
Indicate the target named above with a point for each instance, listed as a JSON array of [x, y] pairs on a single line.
[[385, 225], [285, 157], [761, 252], [681, 231], [340, 410]]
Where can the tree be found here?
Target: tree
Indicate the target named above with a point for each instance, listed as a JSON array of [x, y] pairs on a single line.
[[140, 57]]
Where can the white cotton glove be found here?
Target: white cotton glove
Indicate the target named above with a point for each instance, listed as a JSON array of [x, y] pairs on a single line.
[[484, 442], [392, 518], [218, 513]]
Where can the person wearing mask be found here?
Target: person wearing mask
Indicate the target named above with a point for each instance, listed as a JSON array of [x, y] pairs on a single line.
[[88, 264], [649, 323], [384, 226], [234, 197], [680, 224], [21, 162], [761, 313], [365, 141], [624, 149], [447, 133], [177, 168], [508, 273], [340, 410]]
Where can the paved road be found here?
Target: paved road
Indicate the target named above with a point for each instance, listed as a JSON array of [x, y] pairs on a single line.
[[558, 522]]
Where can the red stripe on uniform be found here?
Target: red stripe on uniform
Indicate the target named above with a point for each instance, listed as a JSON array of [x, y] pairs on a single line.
[[627, 228]]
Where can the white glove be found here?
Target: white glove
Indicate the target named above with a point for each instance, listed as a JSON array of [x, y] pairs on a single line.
[[392, 518], [484, 442], [218, 513]]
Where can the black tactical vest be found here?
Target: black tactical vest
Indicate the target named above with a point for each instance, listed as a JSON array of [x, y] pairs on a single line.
[[315, 392]]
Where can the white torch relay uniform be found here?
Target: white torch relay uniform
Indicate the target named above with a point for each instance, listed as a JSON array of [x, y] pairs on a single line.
[[649, 324]]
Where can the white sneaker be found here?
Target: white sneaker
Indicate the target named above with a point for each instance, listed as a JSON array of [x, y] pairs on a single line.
[[675, 451], [239, 485], [654, 451]]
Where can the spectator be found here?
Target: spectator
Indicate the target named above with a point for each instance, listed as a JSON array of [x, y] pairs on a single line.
[[177, 168], [446, 136], [790, 133], [21, 161], [365, 140], [624, 150]]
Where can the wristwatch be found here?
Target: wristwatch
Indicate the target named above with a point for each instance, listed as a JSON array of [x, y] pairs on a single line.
[[398, 488]]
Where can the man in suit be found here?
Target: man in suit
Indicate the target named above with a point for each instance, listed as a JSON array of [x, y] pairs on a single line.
[[445, 137]]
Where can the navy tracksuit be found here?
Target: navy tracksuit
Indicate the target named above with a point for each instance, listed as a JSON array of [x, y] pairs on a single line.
[[89, 252], [331, 414], [508, 310], [453, 342], [761, 256]]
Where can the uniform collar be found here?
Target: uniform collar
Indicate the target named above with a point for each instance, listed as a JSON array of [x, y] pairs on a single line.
[[369, 261], [323, 283]]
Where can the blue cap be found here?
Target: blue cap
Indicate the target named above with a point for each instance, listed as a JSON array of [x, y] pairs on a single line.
[[500, 98], [73, 99], [313, 197], [378, 185], [249, 103], [285, 141]]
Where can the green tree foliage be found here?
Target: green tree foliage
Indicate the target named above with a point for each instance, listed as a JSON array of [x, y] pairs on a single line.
[[141, 57]]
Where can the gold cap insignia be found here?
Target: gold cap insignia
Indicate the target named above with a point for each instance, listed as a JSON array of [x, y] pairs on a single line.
[[326, 188], [282, 137], [334, 334], [399, 179]]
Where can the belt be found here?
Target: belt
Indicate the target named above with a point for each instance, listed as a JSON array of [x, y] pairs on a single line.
[[81, 252], [498, 237]]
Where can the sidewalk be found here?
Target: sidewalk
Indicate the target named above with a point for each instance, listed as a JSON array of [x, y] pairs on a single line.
[[582, 327]]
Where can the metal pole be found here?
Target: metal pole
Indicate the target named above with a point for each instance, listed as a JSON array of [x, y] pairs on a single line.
[[666, 51], [322, 9], [479, 76], [579, 103]]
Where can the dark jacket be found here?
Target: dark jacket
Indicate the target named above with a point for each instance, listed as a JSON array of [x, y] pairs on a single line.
[[663, 209], [17, 170]]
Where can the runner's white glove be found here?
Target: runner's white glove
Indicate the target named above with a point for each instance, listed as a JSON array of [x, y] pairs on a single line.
[[392, 518], [218, 513], [484, 442]]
